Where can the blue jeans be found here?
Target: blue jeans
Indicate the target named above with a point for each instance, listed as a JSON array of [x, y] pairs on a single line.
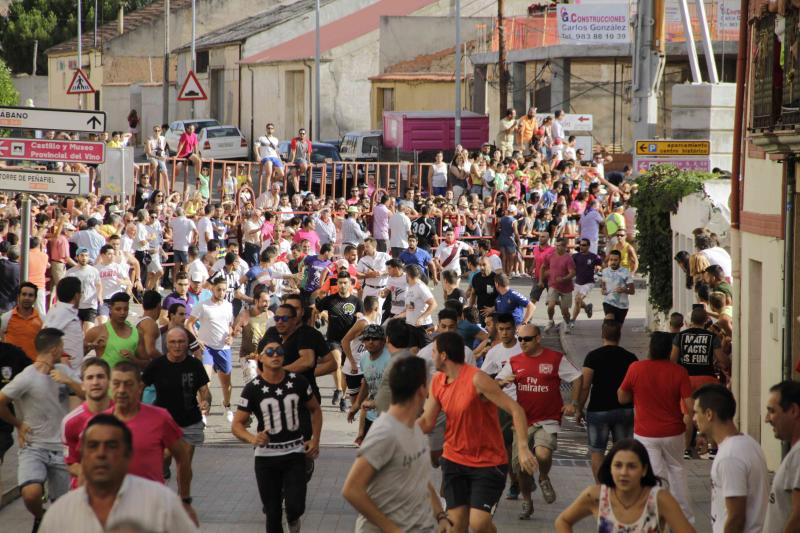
[[618, 422]]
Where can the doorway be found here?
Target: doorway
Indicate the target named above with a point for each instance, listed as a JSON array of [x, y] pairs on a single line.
[[216, 77], [295, 85]]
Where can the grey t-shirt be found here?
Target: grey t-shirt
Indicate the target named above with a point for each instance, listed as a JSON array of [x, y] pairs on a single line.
[[41, 403], [787, 479], [383, 398], [399, 455]]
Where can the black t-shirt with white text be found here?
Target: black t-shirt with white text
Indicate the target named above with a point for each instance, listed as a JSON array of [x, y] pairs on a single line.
[[696, 351], [279, 409], [176, 387], [341, 314], [424, 230]]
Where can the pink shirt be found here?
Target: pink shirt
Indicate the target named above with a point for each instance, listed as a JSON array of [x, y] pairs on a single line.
[[153, 430], [190, 143], [560, 266], [539, 255], [71, 430], [380, 221], [310, 236]]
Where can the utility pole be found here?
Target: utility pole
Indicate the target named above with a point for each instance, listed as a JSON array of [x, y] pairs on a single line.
[[458, 74], [501, 57], [80, 50], [648, 63], [317, 108], [165, 85], [194, 52]]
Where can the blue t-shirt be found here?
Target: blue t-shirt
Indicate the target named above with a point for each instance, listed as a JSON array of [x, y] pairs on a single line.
[[373, 373], [420, 257], [584, 267], [511, 302], [312, 275], [468, 330], [255, 275]]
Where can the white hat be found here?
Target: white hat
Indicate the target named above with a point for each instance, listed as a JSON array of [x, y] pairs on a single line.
[[198, 277]]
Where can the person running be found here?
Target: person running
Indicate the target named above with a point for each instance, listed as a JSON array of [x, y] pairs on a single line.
[[373, 368], [341, 311], [420, 303], [40, 394], [354, 348], [111, 495], [372, 270], [276, 398], [117, 340], [698, 351], [661, 394], [537, 373], [586, 265], [389, 483], [474, 461], [510, 301], [739, 478], [558, 269], [179, 381], [603, 371], [783, 414], [215, 319], [95, 378], [629, 497], [616, 285], [91, 288], [258, 317]]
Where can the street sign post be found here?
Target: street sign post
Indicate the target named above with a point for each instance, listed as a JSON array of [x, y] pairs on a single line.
[[80, 83], [572, 121], [37, 118], [52, 150], [191, 89], [41, 182], [673, 148]]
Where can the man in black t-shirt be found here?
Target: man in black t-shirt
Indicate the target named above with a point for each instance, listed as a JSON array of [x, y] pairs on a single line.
[[482, 292], [12, 361], [425, 230], [604, 370], [340, 310], [698, 351], [179, 379]]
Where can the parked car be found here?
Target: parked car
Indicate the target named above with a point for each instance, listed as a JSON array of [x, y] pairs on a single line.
[[177, 127], [362, 145], [320, 153], [222, 142]]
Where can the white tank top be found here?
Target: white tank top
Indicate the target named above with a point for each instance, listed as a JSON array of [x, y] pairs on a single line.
[[358, 350], [647, 523]]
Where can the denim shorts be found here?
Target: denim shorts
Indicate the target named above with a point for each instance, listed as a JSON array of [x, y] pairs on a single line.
[[617, 422], [37, 465]]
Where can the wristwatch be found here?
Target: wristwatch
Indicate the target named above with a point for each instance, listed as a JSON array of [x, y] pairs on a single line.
[[187, 500]]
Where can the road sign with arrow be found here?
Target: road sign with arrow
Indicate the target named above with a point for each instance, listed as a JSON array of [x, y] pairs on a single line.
[[80, 83], [673, 147], [37, 118], [191, 89], [40, 181]]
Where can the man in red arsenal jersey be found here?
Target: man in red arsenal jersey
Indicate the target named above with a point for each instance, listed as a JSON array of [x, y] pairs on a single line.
[[537, 373]]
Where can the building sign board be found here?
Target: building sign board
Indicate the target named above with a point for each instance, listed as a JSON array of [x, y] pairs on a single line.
[[594, 23], [52, 150], [691, 164], [668, 147]]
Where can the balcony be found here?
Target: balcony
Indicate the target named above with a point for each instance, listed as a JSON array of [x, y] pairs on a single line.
[[767, 75], [790, 110]]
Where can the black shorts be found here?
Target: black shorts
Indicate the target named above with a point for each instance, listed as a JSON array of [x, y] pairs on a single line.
[[619, 314], [367, 425], [537, 291], [353, 383], [87, 315], [476, 487], [336, 345]]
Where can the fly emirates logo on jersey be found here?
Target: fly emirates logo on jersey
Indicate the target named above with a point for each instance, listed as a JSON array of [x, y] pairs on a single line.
[[531, 383]]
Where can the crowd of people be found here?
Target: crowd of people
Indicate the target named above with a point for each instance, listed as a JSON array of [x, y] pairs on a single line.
[[407, 303]]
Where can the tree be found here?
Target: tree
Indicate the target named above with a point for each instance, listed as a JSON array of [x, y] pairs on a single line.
[[8, 93], [50, 22]]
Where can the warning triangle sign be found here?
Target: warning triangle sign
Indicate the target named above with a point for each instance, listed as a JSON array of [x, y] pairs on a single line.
[[191, 89], [80, 83]]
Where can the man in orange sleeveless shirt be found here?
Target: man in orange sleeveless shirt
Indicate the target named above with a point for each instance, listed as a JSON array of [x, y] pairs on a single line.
[[474, 461]]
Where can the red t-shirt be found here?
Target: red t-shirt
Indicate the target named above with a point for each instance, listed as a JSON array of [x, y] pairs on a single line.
[[541, 253], [658, 389], [189, 143], [472, 436], [153, 430], [559, 266], [71, 430], [538, 381]]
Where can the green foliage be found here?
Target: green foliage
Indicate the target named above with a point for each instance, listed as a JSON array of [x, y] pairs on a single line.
[[50, 22], [660, 191], [8, 93]]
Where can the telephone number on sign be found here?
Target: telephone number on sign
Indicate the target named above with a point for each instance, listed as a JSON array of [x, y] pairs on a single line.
[[596, 36]]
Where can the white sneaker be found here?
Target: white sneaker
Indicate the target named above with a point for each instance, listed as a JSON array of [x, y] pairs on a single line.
[[229, 415], [205, 421]]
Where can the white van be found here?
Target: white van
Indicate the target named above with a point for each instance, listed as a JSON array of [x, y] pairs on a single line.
[[361, 145]]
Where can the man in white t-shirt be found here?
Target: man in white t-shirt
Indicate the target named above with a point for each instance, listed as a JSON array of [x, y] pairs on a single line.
[[205, 229], [399, 227], [184, 233], [113, 277], [266, 150], [498, 355], [783, 414], [91, 288], [739, 477], [397, 286], [420, 303], [447, 254], [371, 268], [215, 318], [156, 151]]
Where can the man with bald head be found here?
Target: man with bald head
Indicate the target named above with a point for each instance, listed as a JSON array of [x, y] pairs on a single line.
[[537, 373], [181, 381]]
